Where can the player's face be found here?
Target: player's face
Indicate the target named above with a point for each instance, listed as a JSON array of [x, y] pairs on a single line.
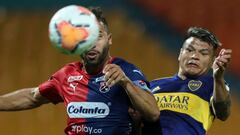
[[100, 52], [196, 57]]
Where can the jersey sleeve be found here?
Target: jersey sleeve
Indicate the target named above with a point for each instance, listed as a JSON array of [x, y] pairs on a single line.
[[51, 89], [154, 86], [136, 76]]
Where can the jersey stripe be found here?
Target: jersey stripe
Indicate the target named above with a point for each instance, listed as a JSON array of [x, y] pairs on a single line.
[[186, 103]]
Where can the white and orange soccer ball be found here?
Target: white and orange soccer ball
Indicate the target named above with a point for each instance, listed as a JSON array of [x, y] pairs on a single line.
[[73, 29]]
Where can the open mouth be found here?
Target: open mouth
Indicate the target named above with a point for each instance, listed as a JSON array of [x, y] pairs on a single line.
[[92, 54], [192, 64]]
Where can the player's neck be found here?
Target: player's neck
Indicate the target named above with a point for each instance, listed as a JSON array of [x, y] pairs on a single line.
[[185, 76], [181, 74]]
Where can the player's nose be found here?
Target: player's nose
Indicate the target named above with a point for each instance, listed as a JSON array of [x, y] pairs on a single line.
[[195, 56]]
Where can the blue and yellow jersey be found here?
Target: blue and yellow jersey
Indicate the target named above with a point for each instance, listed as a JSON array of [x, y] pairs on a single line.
[[184, 105]]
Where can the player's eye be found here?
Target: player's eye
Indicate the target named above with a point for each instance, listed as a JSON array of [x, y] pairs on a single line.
[[205, 53], [100, 34], [189, 49]]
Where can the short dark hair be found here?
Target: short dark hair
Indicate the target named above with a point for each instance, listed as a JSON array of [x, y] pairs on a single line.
[[204, 35], [97, 11]]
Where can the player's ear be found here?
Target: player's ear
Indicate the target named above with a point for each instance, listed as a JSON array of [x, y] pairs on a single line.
[[110, 38], [180, 53]]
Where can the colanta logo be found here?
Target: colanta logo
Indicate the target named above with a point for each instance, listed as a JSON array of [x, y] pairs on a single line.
[[87, 110]]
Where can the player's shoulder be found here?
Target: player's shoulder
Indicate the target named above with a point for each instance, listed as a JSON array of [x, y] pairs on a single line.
[[161, 80], [129, 68], [123, 63], [120, 61], [158, 83], [69, 67], [75, 64]]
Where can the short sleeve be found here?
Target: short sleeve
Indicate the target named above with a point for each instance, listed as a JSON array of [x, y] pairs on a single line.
[[50, 90], [137, 77]]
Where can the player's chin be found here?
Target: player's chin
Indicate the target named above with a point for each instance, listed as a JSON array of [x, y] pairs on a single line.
[[193, 72]]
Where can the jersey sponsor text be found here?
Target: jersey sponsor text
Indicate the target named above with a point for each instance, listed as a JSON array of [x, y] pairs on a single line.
[[87, 110]]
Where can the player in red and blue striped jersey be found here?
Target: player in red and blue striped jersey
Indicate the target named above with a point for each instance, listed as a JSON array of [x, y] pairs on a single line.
[[92, 105], [96, 92], [190, 100]]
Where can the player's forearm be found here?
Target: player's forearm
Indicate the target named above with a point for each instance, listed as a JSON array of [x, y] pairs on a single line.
[[18, 100], [220, 92], [221, 99], [143, 101]]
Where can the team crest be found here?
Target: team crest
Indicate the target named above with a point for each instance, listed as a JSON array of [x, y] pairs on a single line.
[[103, 87], [194, 85]]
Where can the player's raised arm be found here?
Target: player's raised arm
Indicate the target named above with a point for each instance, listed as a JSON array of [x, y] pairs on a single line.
[[142, 100], [221, 96], [22, 99]]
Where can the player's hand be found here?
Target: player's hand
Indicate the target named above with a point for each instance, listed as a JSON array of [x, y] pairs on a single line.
[[135, 115], [114, 74], [221, 62], [137, 121]]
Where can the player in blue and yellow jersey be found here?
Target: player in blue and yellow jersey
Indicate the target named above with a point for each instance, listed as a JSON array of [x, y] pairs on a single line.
[[190, 100]]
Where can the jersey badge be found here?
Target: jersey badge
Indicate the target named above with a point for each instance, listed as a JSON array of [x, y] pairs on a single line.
[[194, 85], [103, 87]]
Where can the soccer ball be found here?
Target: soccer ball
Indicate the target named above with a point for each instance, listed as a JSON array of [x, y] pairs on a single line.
[[73, 29]]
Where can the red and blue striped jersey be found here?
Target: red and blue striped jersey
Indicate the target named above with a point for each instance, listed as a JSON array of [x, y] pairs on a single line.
[[184, 105], [93, 107]]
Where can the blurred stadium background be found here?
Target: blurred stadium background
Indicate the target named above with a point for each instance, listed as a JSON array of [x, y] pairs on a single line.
[[147, 33]]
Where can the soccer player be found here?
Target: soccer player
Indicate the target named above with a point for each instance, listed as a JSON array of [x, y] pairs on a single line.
[[190, 100], [96, 92]]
